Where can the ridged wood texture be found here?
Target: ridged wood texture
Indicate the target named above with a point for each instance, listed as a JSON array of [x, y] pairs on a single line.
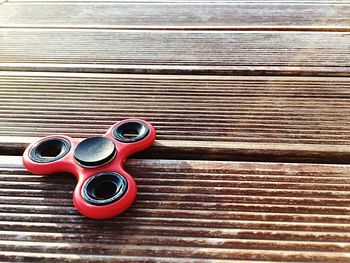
[[256, 110], [177, 15], [184, 108], [189, 52], [246, 109], [189, 211]]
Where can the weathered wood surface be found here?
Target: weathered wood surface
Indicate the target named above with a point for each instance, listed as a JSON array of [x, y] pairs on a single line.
[[214, 15], [235, 117], [185, 210], [193, 211], [189, 52]]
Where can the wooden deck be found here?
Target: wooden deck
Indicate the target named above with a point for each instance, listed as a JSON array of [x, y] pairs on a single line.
[[251, 102]]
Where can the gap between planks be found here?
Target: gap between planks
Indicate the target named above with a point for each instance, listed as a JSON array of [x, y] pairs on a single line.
[[305, 71], [219, 151], [183, 28]]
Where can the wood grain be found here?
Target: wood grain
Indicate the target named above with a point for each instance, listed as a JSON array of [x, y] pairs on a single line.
[[177, 15], [205, 108], [174, 52], [185, 210], [220, 117]]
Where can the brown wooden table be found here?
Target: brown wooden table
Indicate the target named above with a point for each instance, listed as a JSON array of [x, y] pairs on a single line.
[[251, 101]]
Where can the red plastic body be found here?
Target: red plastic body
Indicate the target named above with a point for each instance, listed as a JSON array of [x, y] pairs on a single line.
[[69, 164]]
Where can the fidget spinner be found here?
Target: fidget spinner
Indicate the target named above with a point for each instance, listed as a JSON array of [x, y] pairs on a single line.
[[104, 188]]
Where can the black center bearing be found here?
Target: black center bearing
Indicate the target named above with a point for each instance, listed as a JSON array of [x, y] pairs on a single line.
[[104, 188], [95, 151], [49, 150]]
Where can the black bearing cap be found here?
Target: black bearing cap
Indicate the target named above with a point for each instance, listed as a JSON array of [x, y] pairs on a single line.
[[95, 151], [49, 150], [104, 188], [130, 131]]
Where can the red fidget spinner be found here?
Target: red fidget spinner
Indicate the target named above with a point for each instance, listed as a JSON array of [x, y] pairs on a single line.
[[104, 188]]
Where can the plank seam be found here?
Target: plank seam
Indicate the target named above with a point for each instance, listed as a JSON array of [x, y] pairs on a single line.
[[253, 152], [309, 71], [339, 29]]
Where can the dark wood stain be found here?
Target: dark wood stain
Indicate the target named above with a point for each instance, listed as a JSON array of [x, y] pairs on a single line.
[[176, 52], [201, 117], [188, 210], [249, 80]]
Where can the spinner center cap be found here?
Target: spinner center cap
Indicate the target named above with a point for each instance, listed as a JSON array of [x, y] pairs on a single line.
[[95, 151]]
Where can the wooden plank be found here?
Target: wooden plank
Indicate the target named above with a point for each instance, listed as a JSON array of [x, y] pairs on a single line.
[[191, 211], [236, 15], [174, 52], [210, 117]]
